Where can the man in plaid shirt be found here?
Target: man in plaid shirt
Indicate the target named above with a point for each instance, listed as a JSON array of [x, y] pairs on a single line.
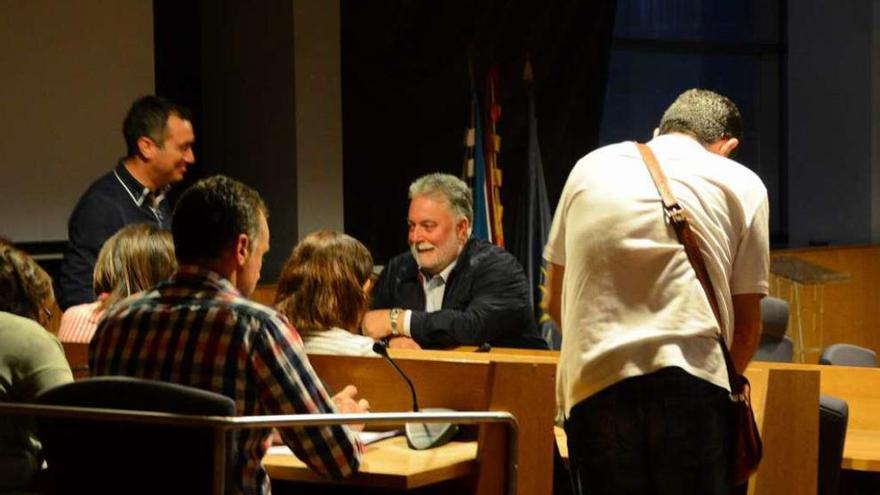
[[199, 329]]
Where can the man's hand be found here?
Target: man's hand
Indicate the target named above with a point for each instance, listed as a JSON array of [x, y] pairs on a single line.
[[403, 343], [553, 294], [377, 324], [347, 402]]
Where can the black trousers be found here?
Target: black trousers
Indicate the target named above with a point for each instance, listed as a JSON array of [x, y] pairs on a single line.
[[667, 432]]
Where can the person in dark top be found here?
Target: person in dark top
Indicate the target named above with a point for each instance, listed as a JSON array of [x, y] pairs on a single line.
[[450, 289], [159, 138]]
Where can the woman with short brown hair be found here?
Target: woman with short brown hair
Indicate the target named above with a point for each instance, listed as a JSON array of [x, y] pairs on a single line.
[[324, 292]]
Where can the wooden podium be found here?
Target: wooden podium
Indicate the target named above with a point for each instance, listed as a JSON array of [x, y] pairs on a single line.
[[801, 276]]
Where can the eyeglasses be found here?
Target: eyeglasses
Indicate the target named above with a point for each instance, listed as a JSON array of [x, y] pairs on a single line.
[[47, 312]]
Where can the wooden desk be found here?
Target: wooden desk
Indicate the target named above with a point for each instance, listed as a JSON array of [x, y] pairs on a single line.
[[77, 358], [462, 383], [860, 388], [862, 450], [524, 384], [390, 464]]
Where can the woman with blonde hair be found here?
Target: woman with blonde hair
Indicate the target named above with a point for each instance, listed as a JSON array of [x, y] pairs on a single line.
[[31, 361], [134, 259], [324, 292]]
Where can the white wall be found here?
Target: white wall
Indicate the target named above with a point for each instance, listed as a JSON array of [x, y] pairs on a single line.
[[68, 72], [318, 116]]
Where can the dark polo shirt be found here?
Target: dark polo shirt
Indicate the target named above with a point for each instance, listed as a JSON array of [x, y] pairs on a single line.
[[110, 203]]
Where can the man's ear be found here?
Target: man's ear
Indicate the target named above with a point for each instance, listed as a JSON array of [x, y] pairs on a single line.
[[656, 131], [462, 228], [723, 147], [146, 147], [242, 249]]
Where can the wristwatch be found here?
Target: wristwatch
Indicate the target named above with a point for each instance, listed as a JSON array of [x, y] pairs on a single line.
[[393, 315]]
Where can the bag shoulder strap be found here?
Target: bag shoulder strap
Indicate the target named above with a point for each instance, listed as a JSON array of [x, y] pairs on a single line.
[[677, 217]]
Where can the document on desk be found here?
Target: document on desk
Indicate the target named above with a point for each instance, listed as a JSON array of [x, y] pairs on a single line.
[[367, 437]]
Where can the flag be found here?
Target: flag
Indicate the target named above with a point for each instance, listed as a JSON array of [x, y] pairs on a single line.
[[482, 219], [493, 172], [534, 219]]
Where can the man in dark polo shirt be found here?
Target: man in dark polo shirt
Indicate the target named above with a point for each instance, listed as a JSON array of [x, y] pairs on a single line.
[[159, 139]]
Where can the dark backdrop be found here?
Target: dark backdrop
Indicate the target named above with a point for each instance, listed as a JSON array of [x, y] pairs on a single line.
[[405, 96]]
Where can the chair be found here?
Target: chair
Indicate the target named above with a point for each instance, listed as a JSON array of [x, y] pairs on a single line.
[[848, 355], [774, 346], [551, 334], [833, 417], [105, 457]]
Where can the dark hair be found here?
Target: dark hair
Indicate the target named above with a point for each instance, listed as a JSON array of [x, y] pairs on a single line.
[[321, 284], [134, 259], [703, 114], [210, 216], [148, 117], [24, 286]]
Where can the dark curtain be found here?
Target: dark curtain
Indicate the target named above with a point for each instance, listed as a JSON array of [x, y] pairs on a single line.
[[405, 94]]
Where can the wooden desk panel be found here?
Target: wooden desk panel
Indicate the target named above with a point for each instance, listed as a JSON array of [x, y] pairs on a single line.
[[524, 383], [389, 464], [860, 388], [862, 450]]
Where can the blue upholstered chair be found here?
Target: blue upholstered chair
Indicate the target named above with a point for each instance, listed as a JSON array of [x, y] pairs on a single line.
[[848, 355], [774, 346], [833, 417]]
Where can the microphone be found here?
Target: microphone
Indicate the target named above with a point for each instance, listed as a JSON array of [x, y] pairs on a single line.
[[419, 436]]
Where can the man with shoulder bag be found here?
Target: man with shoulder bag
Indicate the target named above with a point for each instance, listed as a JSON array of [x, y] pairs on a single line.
[[658, 259]]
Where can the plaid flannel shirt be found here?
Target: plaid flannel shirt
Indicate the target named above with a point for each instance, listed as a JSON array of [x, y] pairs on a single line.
[[196, 329]]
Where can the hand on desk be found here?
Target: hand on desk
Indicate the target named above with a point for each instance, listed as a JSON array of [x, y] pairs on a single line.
[[376, 324], [403, 343], [347, 402]]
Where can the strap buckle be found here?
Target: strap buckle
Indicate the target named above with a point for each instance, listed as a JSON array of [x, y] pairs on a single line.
[[675, 214]]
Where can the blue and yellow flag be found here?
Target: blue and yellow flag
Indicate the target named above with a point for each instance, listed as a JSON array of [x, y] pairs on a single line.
[[533, 222]]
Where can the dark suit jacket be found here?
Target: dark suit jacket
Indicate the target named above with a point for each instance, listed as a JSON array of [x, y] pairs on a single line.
[[486, 299]]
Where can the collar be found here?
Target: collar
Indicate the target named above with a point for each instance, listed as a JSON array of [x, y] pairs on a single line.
[[677, 144], [137, 191], [189, 274], [444, 274]]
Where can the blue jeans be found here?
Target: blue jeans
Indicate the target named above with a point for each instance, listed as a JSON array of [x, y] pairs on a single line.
[[667, 432]]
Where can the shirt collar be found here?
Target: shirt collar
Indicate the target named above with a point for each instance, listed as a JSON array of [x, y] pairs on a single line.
[[678, 144], [137, 191], [444, 274], [202, 275]]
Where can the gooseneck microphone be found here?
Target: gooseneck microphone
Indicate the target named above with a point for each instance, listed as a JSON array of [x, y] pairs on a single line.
[[381, 348], [419, 436]]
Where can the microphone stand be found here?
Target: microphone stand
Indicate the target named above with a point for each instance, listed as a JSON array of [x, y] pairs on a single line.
[[419, 436]]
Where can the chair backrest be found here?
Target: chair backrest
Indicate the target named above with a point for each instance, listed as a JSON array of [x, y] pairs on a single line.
[[776, 351], [108, 457], [774, 318], [848, 355], [833, 418]]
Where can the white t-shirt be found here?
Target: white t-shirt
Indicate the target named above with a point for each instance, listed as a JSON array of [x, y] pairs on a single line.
[[631, 302], [337, 342]]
